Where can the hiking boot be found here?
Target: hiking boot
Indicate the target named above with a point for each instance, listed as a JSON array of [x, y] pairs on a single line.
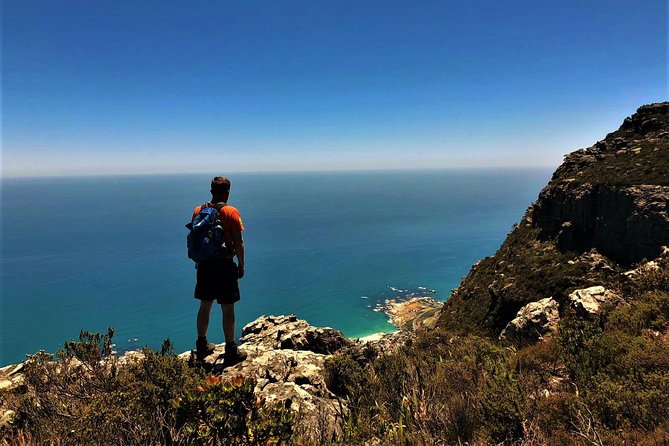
[[203, 349], [232, 355]]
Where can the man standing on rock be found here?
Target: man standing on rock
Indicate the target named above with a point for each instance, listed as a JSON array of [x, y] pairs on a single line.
[[217, 277]]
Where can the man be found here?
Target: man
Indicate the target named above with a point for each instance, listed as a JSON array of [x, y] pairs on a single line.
[[217, 279]]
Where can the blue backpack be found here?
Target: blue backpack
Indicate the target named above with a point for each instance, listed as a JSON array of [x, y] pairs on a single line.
[[205, 240]]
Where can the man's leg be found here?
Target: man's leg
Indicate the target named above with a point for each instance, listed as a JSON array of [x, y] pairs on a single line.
[[202, 347], [229, 322], [203, 318], [232, 353]]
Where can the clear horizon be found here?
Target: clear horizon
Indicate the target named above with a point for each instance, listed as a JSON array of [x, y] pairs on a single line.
[[304, 171], [154, 88]]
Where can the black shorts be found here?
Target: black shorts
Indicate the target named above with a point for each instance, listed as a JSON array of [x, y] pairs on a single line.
[[217, 279]]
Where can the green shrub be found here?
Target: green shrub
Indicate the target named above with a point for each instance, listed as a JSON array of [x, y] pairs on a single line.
[[222, 412], [620, 363], [650, 311], [503, 403], [541, 359], [85, 396], [344, 376], [648, 278]]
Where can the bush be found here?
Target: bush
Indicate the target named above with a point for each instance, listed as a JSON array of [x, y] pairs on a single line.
[[344, 376], [85, 396], [226, 412], [620, 367], [503, 403]]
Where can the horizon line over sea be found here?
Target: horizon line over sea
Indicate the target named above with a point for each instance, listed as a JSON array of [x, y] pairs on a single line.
[[101, 251], [233, 172]]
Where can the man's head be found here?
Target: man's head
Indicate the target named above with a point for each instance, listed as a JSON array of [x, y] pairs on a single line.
[[220, 189]]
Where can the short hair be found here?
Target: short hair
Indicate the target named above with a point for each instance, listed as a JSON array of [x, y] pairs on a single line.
[[220, 185]]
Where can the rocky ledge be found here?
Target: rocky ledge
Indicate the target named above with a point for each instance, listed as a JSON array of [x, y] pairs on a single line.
[[286, 358]]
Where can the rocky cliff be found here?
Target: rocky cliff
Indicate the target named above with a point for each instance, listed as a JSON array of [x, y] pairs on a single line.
[[605, 209]]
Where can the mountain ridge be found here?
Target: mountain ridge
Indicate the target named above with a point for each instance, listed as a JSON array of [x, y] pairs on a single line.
[[604, 209]]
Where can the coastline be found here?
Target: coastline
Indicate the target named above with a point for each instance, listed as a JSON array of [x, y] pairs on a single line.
[[407, 314]]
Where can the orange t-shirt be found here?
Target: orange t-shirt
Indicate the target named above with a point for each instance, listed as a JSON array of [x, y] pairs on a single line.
[[230, 219]]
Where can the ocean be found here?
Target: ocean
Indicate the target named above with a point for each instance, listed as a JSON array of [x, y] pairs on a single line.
[[87, 253]]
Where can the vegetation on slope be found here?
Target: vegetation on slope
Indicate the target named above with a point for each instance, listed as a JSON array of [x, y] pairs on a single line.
[[524, 269], [603, 381], [84, 396], [636, 153]]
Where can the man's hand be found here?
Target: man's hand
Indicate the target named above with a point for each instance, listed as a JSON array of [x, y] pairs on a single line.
[[239, 251]]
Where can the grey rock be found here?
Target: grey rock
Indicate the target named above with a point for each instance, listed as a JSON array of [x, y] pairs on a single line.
[[625, 223], [289, 332], [589, 301], [286, 357], [532, 322]]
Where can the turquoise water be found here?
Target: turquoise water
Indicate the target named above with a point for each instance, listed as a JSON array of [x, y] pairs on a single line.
[[88, 253]]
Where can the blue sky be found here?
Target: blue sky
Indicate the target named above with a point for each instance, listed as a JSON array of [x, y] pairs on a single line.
[[105, 87]]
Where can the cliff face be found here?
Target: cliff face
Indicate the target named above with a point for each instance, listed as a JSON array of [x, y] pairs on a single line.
[[605, 208], [614, 195], [625, 223]]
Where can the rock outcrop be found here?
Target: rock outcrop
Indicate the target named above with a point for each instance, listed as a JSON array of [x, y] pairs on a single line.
[[532, 322], [286, 358], [589, 301], [613, 196], [605, 208], [291, 333], [11, 376], [625, 223]]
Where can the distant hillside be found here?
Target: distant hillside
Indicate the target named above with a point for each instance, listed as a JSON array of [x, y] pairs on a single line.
[[605, 208]]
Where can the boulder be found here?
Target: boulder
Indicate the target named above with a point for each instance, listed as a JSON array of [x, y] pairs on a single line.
[[11, 376], [588, 301], [293, 379], [532, 322], [286, 358], [289, 332]]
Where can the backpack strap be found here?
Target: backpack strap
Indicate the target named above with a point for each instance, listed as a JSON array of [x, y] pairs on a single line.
[[218, 206], [196, 211]]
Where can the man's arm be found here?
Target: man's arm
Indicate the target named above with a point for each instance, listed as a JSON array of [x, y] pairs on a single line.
[[239, 251]]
